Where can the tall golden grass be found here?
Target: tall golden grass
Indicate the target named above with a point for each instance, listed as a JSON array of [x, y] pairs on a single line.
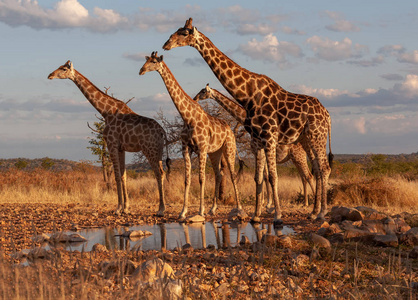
[[87, 186]]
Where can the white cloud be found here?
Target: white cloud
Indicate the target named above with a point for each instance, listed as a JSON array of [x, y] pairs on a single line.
[[409, 57], [394, 50], [330, 50], [341, 24], [262, 29], [69, 13], [289, 30], [319, 93], [270, 49], [65, 14], [408, 88]]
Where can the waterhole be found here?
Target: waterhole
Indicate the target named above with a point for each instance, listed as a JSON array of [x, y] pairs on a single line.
[[171, 235]]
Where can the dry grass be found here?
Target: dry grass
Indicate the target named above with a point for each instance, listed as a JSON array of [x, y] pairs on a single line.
[[392, 194], [81, 186]]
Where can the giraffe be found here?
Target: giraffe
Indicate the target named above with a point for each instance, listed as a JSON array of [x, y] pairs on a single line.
[[124, 131], [274, 115], [284, 153], [202, 134]]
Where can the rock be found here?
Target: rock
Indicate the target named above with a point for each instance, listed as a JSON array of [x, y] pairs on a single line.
[[61, 237], [195, 219], [387, 240], [351, 233], [269, 240], [322, 231], [136, 233], [410, 237], [389, 225], [244, 240], [284, 241], [401, 225], [187, 248], [301, 259], [324, 224], [340, 213], [373, 226], [414, 253], [99, 248], [320, 241], [40, 238], [115, 267], [211, 247], [152, 270], [222, 289], [410, 219], [237, 214], [334, 228], [370, 213]]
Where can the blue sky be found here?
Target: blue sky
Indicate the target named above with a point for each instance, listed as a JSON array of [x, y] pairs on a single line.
[[360, 58]]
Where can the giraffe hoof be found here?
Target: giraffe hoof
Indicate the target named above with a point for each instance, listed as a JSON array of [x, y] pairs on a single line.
[[278, 223], [270, 210], [160, 213], [255, 219], [212, 212], [181, 219]]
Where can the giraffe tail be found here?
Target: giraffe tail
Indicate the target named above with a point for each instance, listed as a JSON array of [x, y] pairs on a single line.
[[241, 167], [330, 155], [168, 160]]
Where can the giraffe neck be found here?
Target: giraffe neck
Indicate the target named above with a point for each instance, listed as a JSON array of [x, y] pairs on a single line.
[[189, 110], [234, 109], [104, 104], [238, 81]]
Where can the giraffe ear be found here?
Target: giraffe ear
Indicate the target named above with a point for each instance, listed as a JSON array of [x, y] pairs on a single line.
[[207, 87], [70, 64], [160, 58], [146, 57]]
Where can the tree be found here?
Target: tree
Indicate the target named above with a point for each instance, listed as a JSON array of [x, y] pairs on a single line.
[[47, 163], [98, 147]]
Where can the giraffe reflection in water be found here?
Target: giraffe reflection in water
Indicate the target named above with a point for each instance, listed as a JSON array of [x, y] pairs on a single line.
[[168, 236]]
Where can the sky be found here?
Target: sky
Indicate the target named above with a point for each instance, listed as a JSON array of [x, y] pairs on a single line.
[[360, 58]]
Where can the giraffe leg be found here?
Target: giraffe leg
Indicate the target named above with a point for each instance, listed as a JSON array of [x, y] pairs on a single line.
[[307, 146], [272, 168], [260, 160], [229, 152], [114, 156], [299, 159], [202, 180], [215, 159], [187, 181], [269, 205], [157, 167], [122, 171], [325, 171]]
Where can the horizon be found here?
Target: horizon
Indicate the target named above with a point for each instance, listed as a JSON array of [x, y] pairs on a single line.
[[359, 61]]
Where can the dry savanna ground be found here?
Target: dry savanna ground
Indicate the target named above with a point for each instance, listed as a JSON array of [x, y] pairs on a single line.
[[43, 201]]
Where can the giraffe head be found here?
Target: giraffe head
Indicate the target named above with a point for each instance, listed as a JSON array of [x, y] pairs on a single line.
[[205, 93], [184, 36], [153, 63], [63, 72]]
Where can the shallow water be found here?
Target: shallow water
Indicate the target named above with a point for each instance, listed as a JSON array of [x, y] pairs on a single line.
[[171, 235]]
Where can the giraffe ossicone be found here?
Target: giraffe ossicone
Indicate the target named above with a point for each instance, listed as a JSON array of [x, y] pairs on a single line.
[[274, 116], [124, 131], [202, 134]]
